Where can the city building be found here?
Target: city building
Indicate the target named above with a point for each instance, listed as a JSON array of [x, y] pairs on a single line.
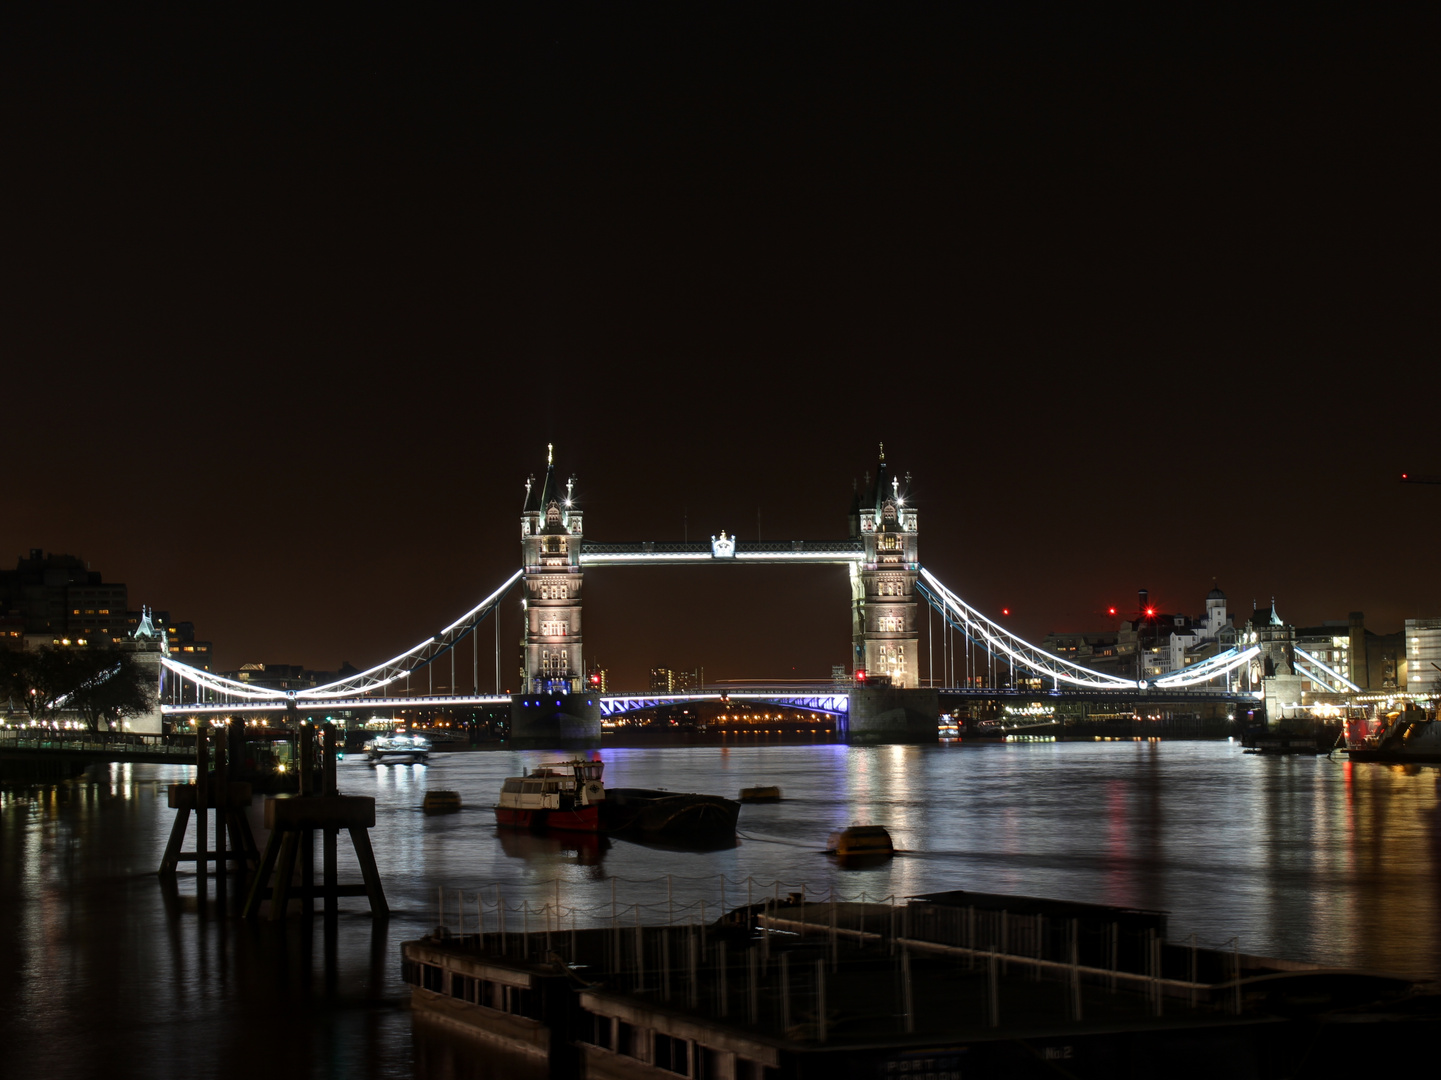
[[57, 600], [1377, 661], [286, 676], [598, 678], [183, 645], [1153, 643], [1423, 656], [672, 681]]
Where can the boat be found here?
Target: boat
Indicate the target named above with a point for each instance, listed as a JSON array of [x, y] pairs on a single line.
[[861, 843], [398, 748], [760, 794], [559, 795], [655, 815], [1406, 736], [441, 802]]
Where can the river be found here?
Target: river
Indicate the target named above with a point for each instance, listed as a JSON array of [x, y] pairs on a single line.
[[105, 970]]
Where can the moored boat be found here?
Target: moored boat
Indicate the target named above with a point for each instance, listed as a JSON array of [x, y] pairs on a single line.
[[669, 817], [1402, 736], [560, 795]]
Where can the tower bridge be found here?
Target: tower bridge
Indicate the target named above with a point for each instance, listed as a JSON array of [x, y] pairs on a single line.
[[887, 583]]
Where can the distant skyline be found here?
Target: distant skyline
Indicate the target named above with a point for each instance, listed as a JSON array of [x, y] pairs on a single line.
[[737, 621], [290, 310]]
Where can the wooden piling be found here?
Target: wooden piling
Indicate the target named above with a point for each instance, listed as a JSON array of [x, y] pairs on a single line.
[[293, 821]]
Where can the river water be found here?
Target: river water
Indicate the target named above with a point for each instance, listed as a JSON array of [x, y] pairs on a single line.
[[105, 970]]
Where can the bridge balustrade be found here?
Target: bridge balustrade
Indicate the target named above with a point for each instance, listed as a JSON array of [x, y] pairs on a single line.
[[182, 747]]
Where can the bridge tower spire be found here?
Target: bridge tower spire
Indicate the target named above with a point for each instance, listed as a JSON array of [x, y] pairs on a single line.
[[884, 628], [550, 534]]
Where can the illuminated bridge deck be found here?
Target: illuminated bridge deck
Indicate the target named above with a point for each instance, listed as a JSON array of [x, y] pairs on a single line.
[[680, 552]]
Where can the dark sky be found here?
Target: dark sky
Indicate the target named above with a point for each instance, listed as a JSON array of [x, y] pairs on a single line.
[[290, 307]]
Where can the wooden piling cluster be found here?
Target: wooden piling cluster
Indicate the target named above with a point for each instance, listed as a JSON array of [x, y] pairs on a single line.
[[211, 791], [293, 821]]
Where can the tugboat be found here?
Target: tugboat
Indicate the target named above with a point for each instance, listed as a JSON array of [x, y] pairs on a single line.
[[560, 795], [1405, 735]]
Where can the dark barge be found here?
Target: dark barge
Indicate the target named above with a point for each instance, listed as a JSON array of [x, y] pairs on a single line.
[[655, 815]]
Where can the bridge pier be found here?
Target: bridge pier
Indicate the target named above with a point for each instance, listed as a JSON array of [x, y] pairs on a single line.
[[555, 721], [887, 714]]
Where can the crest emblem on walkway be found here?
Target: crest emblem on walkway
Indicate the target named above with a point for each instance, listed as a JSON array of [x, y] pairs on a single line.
[[723, 547]]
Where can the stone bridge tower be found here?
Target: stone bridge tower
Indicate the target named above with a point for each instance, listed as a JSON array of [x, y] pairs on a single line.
[[550, 535], [553, 707], [884, 628]]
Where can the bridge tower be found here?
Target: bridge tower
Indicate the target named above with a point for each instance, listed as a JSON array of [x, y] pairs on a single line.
[[550, 533], [884, 627], [553, 707]]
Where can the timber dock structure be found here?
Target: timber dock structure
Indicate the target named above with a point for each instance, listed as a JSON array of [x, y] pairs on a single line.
[[943, 985]]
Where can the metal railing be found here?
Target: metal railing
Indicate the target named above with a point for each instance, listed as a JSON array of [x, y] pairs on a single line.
[[90, 742]]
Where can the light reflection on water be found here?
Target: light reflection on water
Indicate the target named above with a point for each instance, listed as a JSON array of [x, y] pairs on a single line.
[[1308, 858]]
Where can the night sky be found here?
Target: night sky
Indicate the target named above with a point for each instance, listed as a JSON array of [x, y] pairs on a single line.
[[292, 305]]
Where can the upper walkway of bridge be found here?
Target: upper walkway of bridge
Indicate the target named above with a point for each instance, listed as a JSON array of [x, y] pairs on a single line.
[[688, 552]]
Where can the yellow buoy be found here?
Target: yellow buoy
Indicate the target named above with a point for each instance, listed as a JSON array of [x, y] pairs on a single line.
[[441, 802]]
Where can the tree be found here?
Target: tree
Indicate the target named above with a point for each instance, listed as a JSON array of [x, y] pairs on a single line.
[[112, 687], [41, 678], [104, 684]]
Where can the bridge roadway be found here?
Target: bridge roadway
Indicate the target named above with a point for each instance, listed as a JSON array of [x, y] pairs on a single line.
[[830, 700]]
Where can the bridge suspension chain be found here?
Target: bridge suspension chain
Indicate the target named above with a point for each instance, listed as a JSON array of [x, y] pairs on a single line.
[[408, 662], [1211, 668], [999, 641]]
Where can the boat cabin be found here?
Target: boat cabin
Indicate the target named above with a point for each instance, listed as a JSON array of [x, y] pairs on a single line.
[[550, 786]]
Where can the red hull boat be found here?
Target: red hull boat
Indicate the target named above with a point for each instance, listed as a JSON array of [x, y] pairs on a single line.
[[564, 795]]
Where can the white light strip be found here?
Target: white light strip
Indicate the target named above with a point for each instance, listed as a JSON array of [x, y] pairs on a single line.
[[642, 557], [837, 557], [1316, 678], [220, 684], [646, 558], [354, 682], [60, 702], [1041, 662], [1328, 670], [338, 705], [1207, 670], [486, 603]]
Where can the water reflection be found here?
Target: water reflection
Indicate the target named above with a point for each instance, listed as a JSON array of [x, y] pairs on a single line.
[[1311, 858], [584, 849]]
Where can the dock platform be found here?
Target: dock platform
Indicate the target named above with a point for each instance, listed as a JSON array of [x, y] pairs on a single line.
[[945, 985]]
